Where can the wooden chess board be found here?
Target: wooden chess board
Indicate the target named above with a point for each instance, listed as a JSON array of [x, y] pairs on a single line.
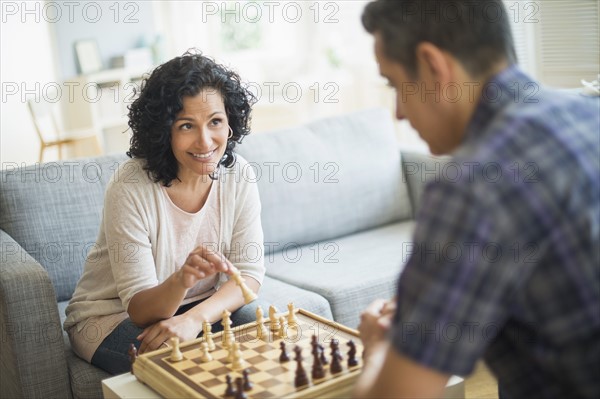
[[192, 378]]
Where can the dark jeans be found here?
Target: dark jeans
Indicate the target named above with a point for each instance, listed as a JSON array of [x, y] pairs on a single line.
[[112, 354]]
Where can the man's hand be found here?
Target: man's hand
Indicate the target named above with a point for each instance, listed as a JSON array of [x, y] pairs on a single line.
[[181, 326], [202, 262], [375, 321]]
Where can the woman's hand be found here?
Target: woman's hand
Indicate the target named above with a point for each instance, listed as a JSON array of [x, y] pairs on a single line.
[[182, 326], [202, 262]]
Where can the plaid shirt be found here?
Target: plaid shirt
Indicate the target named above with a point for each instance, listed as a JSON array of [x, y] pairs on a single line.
[[505, 262]]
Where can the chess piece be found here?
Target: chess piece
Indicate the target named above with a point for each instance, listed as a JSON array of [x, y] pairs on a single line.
[[133, 354], [323, 359], [229, 391], [176, 354], [335, 349], [301, 378], [261, 330], [228, 337], [352, 354], [238, 362], [248, 294], [281, 332], [284, 357], [247, 384], [274, 323], [208, 335], [336, 365], [291, 316], [206, 356], [317, 368], [239, 389]]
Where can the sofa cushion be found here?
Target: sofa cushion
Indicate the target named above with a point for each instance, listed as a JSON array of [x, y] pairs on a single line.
[[329, 178], [349, 272], [53, 211]]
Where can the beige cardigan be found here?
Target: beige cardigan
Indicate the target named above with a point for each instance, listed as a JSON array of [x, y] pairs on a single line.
[[134, 252]]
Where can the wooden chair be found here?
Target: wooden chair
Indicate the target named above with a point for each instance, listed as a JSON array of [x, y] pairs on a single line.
[[51, 135]]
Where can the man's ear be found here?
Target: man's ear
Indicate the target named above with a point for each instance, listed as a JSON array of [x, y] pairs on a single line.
[[434, 63]]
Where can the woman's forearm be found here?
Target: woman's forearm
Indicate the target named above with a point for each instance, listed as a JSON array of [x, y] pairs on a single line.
[[229, 297], [157, 303]]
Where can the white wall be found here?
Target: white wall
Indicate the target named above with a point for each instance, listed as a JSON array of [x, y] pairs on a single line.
[[26, 54]]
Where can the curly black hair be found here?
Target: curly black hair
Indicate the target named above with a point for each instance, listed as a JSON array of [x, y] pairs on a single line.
[[153, 112]]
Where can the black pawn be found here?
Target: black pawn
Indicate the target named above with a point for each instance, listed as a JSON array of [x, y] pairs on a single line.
[[133, 354], [229, 391], [323, 359], [239, 389], [284, 357], [317, 367], [336, 365], [247, 384], [352, 354], [335, 349], [301, 378]]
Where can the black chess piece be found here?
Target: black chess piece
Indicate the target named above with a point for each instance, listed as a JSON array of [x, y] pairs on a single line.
[[335, 349], [336, 365], [301, 377], [239, 389], [323, 359], [317, 368], [229, 391], [284, 357], [352, 354], [133, 354], [247, 384]]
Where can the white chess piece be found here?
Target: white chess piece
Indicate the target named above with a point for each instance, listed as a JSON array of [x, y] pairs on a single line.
[[292, 319], [206, 356], [208, 335], [238, 361], [261, 330], [281, 327], [176, 354], [274, 323]]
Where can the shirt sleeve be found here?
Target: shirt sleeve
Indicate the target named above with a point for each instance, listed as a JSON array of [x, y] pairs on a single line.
[[454, 292], [246, 248], [127, 237]]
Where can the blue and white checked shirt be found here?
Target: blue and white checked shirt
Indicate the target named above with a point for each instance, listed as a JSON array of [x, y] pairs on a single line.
[[506, 263]]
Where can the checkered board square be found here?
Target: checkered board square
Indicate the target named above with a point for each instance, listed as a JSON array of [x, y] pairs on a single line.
[[191, 377]]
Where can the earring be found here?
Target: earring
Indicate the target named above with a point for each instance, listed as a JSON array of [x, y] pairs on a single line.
[[230, 133]]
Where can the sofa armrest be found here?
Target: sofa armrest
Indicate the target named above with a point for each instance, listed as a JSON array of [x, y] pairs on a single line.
[[417, 170], [33, 363]]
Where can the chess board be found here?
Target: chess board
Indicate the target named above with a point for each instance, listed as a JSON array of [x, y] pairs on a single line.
[[193, 378]]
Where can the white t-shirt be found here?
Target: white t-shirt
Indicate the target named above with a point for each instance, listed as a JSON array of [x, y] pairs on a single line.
[[144, 238]]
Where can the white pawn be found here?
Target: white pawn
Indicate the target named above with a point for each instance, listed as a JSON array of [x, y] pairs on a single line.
[[274, 323], [206, 356], [176, 354], [261, 330], [227, 335], [238, 362], [208, 335], [281, 327], [292, 319]]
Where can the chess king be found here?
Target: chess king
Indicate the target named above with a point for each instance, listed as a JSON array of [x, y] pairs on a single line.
[[187, 121]]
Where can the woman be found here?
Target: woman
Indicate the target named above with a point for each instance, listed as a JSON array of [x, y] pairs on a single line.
[[176, 219]]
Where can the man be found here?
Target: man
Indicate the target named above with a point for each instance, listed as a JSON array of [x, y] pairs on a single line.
[[506, 263]]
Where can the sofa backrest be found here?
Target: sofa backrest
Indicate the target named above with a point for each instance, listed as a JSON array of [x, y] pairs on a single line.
[[327, 179], [53, 211]]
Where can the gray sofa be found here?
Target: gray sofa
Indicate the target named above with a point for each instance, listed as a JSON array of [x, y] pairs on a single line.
[[337, 212]]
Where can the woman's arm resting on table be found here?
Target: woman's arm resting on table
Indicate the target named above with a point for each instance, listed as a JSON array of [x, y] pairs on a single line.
[[188, 325]]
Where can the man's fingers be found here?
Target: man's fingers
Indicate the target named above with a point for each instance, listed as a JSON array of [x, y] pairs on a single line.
[[374, 308]]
